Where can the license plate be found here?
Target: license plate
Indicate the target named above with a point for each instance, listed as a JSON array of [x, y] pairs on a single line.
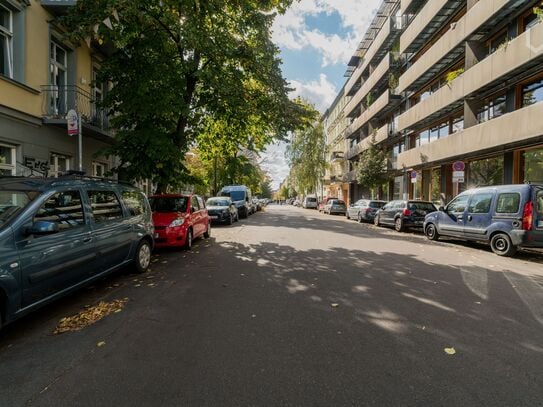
[[213, 217]]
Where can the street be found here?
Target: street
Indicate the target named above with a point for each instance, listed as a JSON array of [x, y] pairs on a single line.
[[294, 308]]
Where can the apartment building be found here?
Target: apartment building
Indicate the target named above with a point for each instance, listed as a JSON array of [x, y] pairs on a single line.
[[465, 85], [335, 123], [42, 77]]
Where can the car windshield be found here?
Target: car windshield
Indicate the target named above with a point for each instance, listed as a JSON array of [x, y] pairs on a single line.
[[217, 202], [311, 199], [12, 202], [235, 195], [376, 205], [338, 202], [422, 206], [168, 204]]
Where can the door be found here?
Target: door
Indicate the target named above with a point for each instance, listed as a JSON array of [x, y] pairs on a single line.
[[451, 220], [56, 261], [204, 217], [112, 231], [196, 216], [478, 217]]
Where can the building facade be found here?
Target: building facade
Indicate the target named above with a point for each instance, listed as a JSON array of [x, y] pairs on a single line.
[[335, 124], [42, 77], [439, 82]]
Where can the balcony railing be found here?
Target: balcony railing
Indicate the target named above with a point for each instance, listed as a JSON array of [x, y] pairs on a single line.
[[58, 100]]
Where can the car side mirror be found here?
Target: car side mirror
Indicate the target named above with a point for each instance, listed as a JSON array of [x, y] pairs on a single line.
[[441, 209], [42, 227]]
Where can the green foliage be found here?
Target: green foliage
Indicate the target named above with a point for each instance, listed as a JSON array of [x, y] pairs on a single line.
[[306, 156], [182, 68], [265, 189], [452, 75], [538, 11], [371, 170], [393, 81], [369, 100]]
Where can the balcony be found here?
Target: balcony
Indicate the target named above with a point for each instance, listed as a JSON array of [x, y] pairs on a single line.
[[379, 47], [427, 22], [479, 19], [337, 156], [380, 136], [519, 55], [375, 80], [411, 6], [384, 104], [350, 176], [510, 129], [58, 100]]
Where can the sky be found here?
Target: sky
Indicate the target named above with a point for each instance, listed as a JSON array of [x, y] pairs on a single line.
[[316, 38]]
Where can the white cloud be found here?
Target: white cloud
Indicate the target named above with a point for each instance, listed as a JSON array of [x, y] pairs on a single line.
[[274, 163], [290, 30], [321, 92]]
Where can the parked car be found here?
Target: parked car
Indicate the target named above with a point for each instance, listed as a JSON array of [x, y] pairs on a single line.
[[310, 202], [364, 210], [179, 219], [241, 196], [506, 216], [403, 214], [221, 209], [257, 205], [335, 206], [59, 234], [323, 203]]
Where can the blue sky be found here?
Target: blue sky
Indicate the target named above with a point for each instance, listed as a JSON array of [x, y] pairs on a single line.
[[317, 39]]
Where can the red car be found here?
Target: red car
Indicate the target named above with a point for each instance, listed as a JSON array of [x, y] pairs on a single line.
[[179, 219]]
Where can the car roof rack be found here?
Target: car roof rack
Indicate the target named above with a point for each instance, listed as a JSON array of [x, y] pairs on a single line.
[[81, 175]]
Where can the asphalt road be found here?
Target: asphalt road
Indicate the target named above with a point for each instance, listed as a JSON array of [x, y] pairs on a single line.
[[294, 308]]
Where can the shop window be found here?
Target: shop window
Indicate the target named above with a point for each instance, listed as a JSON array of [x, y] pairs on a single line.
[[59, 164], [492, 108], [533, 166], [532, 93], [486, 172], [6, 41], [7, 160]]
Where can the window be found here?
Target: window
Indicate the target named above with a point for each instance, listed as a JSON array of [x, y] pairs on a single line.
[[58, 67], [6, 41], [458, 205], [533, 166], [508, 203], [528, 20], [98, 90], [63, 208], [488, 171], [59, 164], [492, 108], [7, 160], [12, 202], [497, 42], [480, 203], [105, 206], [99, 169], [539, 208], [201, 203], [169, 204], [458, 124], [134, 201], [532, 93], [194, 204]]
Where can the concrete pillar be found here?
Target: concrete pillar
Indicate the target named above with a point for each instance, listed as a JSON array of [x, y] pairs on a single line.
[[471, 3], [510, 102], [446, 184], [475, 52], [470, 113]]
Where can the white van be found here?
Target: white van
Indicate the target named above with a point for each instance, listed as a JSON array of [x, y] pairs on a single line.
[[310, 202]]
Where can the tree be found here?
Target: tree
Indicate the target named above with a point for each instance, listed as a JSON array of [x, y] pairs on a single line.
[[371, 170], [306, 156], [179, 67], [265, 189]]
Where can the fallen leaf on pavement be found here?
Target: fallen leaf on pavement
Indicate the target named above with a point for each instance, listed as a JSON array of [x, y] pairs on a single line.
[[450, 351], [89, 316], [100, 344]]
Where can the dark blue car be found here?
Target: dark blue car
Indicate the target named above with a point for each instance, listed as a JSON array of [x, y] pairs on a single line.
[[506, 216], [59, 234]]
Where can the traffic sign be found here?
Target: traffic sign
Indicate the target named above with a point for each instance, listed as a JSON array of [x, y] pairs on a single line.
[[73, 122], [458, 176], [414, 177], [459, 166]]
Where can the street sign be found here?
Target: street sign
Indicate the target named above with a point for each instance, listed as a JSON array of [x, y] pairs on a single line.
[[459, 166], [458, 176], [73, 122], [413, 177]]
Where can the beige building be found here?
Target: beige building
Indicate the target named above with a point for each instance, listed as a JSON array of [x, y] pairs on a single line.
[[444, 81], [42, 77], [335, 124]]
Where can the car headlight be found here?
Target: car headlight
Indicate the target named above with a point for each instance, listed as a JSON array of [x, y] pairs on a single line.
[[177, 222]]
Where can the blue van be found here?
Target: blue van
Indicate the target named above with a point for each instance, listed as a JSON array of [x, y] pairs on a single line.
[[58, 234], [241, 197], [506, 216]]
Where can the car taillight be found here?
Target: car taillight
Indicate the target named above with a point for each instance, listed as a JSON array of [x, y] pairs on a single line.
[[527, 216], [407, 212], [368, 210]]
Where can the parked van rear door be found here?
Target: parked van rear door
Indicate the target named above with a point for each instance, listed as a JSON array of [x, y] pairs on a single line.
[[56, 261], [478, 215]]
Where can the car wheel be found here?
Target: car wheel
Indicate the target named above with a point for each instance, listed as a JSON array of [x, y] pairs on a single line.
[[207, 233], [188, 240], [398, 225], [376, 220], [142, 258], [431, 232], [359, 218], [501, 245]]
